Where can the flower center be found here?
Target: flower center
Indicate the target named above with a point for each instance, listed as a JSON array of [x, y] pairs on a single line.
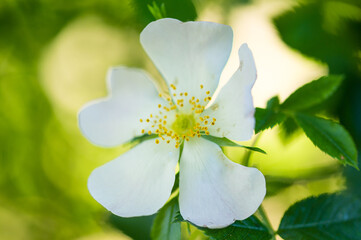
[[183, 124], [179, 119]]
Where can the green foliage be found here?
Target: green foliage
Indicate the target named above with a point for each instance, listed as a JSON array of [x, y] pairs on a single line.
[[330, 137], [164, 226], [288, 129], [146, 11], [327, 135], [156, 11], [325, 30], [268, 117], [225, 142], [250, 229], [312, 93], [322, 218]]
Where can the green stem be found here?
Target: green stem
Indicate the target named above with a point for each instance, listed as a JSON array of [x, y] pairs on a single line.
[[248, 154], [266, 221], [261, 210]]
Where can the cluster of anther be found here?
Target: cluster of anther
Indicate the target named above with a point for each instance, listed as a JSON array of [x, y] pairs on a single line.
[[185, 124]]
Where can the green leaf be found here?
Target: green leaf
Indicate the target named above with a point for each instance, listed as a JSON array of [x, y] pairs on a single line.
[[313, 93], [225, 142], [288, 129], [250, 229], [142, 138], [330, 137], [164, 226], [176, 182], [268, 117], [325, 217]]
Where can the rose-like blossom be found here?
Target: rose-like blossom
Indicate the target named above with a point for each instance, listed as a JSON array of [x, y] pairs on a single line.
[[213, 191]]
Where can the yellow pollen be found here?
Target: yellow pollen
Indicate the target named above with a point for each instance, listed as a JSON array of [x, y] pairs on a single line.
[[184, 125]]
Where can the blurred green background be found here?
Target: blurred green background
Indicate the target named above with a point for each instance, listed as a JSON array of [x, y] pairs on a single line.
[[53, 59]]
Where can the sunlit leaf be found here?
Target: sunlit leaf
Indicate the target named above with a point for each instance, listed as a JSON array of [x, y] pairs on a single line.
[[312, 93], [323, 218], [164, 226], [330, 137]]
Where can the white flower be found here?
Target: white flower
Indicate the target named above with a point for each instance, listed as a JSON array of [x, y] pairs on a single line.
[[213, 191]]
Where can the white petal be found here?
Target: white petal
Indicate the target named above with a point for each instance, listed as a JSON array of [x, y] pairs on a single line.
[[214, 191], [115, 119], [188, 54], [138, 182], [233, 108]]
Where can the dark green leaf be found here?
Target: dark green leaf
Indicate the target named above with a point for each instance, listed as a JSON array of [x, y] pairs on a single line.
[[330, 137], [288, 128], [273, 103], [250, 229], [327, 217], [164, 226], [312, 93], [225, 142], [268, 117]]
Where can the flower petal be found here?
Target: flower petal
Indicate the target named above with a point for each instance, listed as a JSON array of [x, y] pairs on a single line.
[[137, 183], [233, 108], [114, 120], [188, 54], [214, 191]]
